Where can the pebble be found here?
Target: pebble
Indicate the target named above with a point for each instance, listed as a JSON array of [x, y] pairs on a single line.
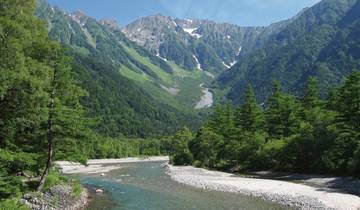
[[99, 191]]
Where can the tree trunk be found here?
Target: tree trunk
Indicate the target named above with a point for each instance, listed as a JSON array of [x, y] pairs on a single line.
[[50, 139]]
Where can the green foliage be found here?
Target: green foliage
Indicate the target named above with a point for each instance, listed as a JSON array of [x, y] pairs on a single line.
[[206, 148], [281, 119], [306, 134], [53, 179], [182, 154], [77, 189], [12, 204], [250, 117]]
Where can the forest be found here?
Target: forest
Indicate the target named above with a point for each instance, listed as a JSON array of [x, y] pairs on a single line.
[[304, 134], [41, 115]]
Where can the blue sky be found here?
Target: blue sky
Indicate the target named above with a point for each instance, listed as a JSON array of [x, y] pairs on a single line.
[[240, 12]]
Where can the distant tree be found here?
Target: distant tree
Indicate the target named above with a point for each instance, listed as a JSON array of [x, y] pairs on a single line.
[[207, 147], [250, 116], [182, 155], [222, 121], [281, 115], [344, 154], [311, 95]]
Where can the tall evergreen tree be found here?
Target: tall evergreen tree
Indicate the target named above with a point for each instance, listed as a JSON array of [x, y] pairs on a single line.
[[222, 121], [250, 117], [345, 152], [311, 94], [281, 117], [39, 100], [181, 140]]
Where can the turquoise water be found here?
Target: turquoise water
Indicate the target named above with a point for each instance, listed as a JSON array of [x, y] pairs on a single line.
[[145, 186]]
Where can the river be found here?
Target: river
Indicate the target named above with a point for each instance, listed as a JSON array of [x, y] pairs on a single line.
[[145, 186]]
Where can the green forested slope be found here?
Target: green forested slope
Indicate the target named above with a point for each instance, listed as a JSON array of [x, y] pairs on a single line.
[[323, 42], [124, 81], [293, 134]]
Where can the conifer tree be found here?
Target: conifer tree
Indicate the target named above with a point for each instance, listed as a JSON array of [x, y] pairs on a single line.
[[251, 117], [311, 94], [281, 118]]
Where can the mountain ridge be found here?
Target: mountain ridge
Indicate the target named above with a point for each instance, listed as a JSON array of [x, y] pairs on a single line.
[[194, 43], [298, 51], [133, 80]]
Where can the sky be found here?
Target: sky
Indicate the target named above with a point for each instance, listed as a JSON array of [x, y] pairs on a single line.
[[239, 12]]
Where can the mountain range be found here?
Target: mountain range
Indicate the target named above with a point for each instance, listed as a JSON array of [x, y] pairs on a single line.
[[197, 44], [150, 75], [323, 42]]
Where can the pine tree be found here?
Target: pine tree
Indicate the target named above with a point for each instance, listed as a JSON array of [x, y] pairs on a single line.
[[65, 120], [281, 117], [311, 94], [250, 117], [349, 103], [207, 147], [222, 121], [39, 99], [182, 154]]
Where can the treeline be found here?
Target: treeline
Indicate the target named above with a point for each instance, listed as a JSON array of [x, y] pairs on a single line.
[[98, 147], [295, 134]]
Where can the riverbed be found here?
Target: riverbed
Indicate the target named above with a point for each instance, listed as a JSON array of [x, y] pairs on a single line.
[[145, 185], [206, 99]]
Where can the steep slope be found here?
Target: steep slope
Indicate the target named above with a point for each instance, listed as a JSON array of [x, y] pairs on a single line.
[[129, 88], [200, 44], [323, 42]]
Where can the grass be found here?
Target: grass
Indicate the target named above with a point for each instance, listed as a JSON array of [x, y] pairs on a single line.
[[76, 188], [132, 75], [164, 76], [187, 81]]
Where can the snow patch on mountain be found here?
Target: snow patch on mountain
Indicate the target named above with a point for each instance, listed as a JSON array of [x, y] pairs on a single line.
[[197, 62], [158, 55], [227, 66], [239, 51], [192, 32]]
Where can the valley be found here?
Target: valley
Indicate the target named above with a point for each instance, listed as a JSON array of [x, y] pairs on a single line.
[[178, 111]]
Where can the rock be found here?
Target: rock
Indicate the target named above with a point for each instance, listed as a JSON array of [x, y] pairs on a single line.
[[60, 197], [99, 191]]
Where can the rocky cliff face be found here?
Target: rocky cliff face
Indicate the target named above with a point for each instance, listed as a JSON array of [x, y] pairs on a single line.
[[195, 43]]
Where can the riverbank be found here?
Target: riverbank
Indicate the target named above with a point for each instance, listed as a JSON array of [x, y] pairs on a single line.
[[59, 197], [286, 193], [103, 165]]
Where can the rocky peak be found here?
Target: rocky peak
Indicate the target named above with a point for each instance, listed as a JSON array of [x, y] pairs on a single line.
[[78, 16], [110, 23]]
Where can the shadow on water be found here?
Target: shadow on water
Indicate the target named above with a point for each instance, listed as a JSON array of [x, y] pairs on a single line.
[[139, 186]]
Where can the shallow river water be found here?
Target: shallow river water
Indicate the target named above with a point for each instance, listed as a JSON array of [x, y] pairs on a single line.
[[145, 186]]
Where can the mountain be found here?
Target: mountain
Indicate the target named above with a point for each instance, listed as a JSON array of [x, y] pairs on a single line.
[[197, 44], [323, 41], [131, 91]]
